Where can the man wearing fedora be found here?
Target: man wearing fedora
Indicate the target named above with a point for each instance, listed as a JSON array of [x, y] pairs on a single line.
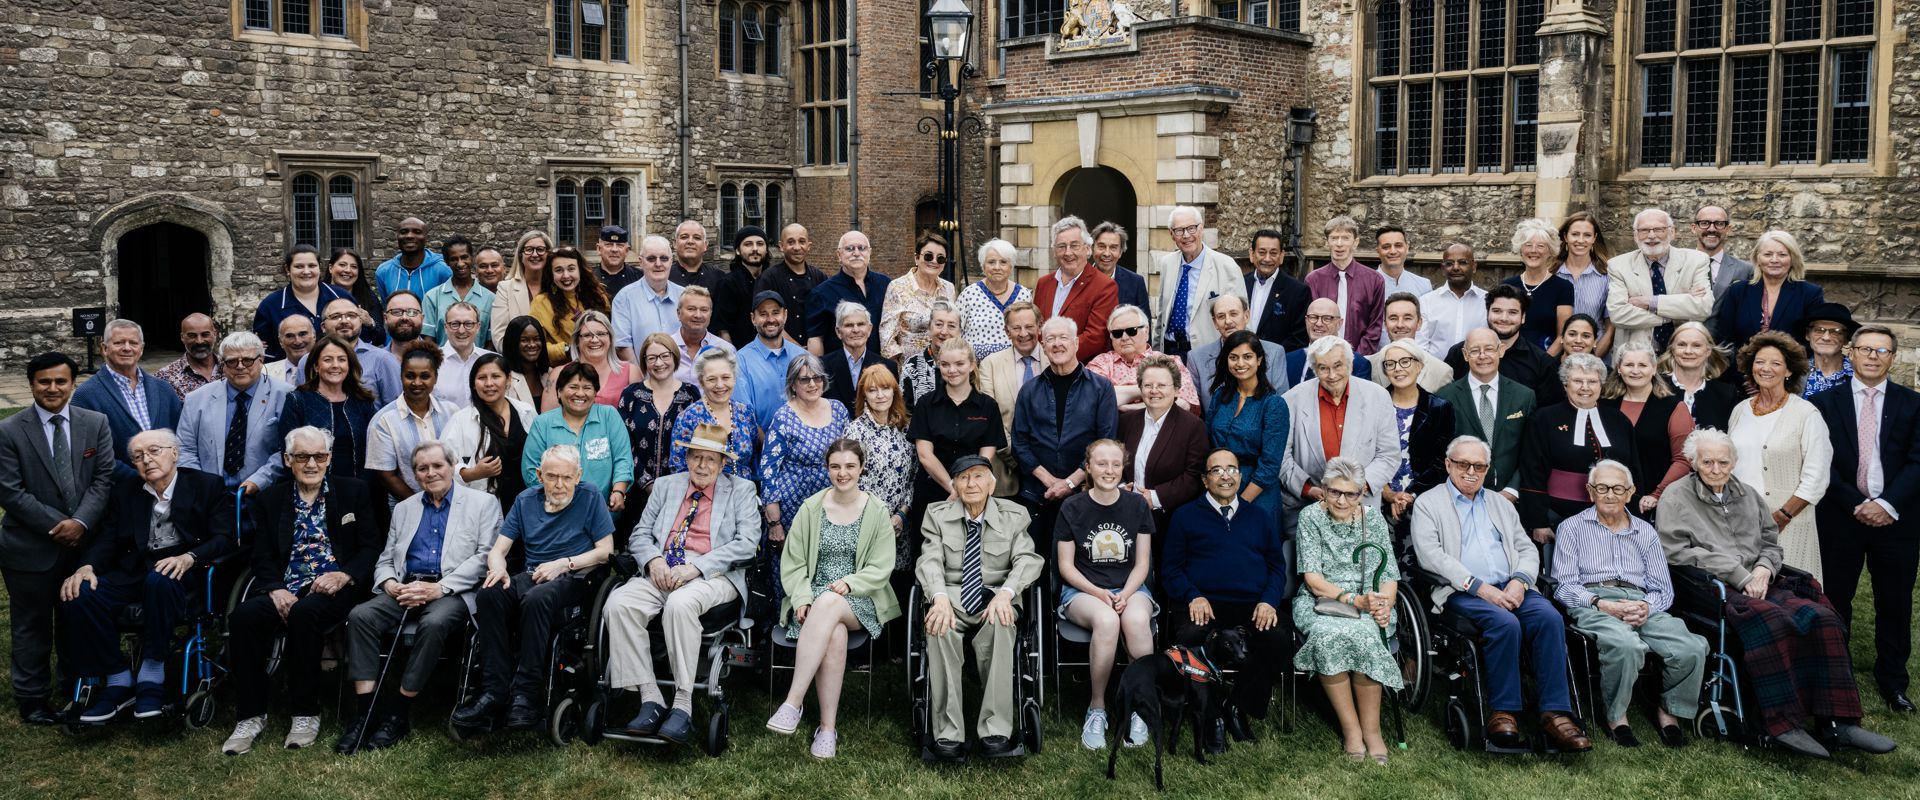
[[976, 561], [1827, 330], [699, 530]]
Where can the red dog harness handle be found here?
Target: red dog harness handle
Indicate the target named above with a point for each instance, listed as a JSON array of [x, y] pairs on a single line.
[[1193, 665]]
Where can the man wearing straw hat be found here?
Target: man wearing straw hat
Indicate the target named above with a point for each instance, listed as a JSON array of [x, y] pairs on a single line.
[[699, 530]]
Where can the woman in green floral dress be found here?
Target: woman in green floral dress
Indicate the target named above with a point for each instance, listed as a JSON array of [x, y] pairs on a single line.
[[1344, 648]]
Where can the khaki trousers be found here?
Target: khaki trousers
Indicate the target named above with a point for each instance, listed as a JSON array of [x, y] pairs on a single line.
[[634, 605], [993, 653]]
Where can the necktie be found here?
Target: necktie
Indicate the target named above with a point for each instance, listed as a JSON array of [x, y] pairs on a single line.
[[1869, 439], [1026, 369], [1226, 516], [62, 457], [236, 453], [1486, 411], [676, 549], [973, 587], [1177, 320], [1665, 331], [1342, 301]]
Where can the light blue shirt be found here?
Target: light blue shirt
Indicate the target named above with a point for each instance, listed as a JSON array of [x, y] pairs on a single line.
[[394, 431], [1481, 550], [763, 378], [639, 311], [606, 449], [391, 277]]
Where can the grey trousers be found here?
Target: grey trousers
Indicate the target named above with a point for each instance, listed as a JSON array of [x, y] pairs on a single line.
[[370, 629], [1623, 651], [993, 656], [634, 605]]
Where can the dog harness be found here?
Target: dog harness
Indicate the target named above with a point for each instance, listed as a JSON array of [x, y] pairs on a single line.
[[1193, 664]]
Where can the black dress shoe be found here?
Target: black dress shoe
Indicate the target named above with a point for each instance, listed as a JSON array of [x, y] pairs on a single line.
[[483, 712], [677, 727], [1673, 736], [35, 712], [1897, 701], [1238, 725], [353, 735], [523, 715], [1217, 738], [996, 746], [1623, 736], [393, 728], [949, 751]]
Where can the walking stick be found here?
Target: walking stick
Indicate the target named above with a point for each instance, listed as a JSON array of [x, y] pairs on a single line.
[[373, 700], [1359, 557]]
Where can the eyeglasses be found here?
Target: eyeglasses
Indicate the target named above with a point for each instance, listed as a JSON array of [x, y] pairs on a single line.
[[933, 257], [1712, 224], [595, 335], [1661, 229], [533, 251], [1469, 467], [1223, 470], [1488, 350], [1322, 319], [310, 458], [242, 362], [403, 313], [1609, 489], [342, 315], [1826, 330], [1122, 333], [856, 248], [1400, 363], [147, 453], [463, 324], [1186, 230], [1873, 351], [1342, 494], [662, 358]]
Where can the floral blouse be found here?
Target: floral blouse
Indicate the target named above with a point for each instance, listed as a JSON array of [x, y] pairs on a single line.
[[891, 464], [1818, 381], [739, 440], [650, 430], [904, 315], [983, 318], [312, 554], [1116, 370], [794, 463]]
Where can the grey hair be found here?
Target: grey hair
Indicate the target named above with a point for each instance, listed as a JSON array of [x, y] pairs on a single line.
[[1073, 223], [1582, 362], [944, 306], [124, 324], [1125, 308], [1607, 463], [1105, 228], [561, 454], [167, 436], [1709, 435], [1328, 344], [242, 341], [308, 433], [1466, 439], [1412, 347], [1536, 228], [1000, 247], [804, 361], [1073, 328], [432, 444], [711, 355], [848, 308], [1660, 211], [1344, 468], [653, 239], [1199, 217], [470, 307]]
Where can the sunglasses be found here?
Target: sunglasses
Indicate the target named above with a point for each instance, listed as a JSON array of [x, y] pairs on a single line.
[[1122, 333], [933, 258]]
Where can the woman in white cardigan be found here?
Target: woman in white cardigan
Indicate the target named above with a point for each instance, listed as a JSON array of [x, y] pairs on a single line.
[[1790, 439], [487, 449]]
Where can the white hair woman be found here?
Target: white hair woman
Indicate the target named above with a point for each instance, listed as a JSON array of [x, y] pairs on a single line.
[[1563, 440], [983, 305], [1549, 296], [1341, 547]]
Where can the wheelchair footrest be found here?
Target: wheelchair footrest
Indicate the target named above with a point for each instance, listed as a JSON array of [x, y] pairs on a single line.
[[742, 656]]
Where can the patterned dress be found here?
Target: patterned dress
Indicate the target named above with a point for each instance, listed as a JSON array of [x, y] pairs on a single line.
[[904, 315], [794, 465], [739, 438], [839, 549], [1336, 644], [983, 318], [891, 464], [919, 376], [650, 430], [1404, 475]]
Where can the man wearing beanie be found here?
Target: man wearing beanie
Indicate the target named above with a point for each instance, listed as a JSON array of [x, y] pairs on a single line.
[[736, 287]]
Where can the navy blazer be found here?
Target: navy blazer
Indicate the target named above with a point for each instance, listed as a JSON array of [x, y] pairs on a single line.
[[1297, 372], [1133, 292], [357, 537], [1899, 451], [202, 511], [1427, 441], [1284, 322], [1739, 315], [310, 408], [841, 384], [1093, 413], [99, 394]]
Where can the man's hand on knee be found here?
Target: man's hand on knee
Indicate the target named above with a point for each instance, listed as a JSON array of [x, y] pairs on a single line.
[[1000, 609], [940, 616]]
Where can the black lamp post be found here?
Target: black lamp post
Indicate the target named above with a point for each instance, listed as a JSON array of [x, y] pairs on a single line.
[[1301, 123], [951, 24]]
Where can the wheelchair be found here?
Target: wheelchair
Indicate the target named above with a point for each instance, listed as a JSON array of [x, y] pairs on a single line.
[[726, 642], [1411, 646], [575, 659], [199, 664], [1700, 601], [1029, 659]]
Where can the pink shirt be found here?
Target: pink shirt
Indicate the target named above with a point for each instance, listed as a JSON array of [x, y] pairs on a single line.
[[1121, 372]]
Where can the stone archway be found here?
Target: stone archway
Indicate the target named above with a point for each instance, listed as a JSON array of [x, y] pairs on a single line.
[[177, 224], [1101, 194]]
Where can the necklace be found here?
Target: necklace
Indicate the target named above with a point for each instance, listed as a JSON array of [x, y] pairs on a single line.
[[1760, 410], [1529, 289]]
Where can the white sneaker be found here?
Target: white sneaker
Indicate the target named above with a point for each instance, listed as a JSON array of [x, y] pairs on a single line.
[[303, 732], [243, 735], [1093, 734], [1137, 733]]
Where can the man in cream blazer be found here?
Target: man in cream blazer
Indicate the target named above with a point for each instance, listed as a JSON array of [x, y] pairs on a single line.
[[1001, 377], [1368, 434], [1209, 274], [1637, 313]]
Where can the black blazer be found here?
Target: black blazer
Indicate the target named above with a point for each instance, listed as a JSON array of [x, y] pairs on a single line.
[[1427, 441], [1549, 446], [1284, 321], [841, 385], [1899, 450], [203, 515], [356, 535], [1712, 405]]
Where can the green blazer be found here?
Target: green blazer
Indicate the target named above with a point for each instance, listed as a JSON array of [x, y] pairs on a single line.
[[872, 579], [1515, 404]]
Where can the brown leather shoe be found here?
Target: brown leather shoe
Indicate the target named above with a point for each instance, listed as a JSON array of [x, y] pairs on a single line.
[[1503, 730], [1563, 734]]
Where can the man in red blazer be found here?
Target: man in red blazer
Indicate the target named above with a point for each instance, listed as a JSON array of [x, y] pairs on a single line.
[[1086, 296]]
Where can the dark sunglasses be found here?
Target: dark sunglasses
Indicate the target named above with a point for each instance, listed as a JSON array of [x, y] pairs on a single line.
[[1122, 333], [933, 258]]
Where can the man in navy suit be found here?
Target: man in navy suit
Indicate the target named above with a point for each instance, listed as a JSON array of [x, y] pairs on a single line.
[[1278, 302], [132, 400], [244, 454], [1873, 502], [1323, 319], [853, 332], [1109, 244]]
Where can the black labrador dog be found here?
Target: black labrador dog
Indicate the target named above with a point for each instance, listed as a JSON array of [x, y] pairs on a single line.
[[1168, 687]]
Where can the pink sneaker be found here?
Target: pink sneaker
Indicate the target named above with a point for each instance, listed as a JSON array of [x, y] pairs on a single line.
[[825, 743], [785, 720]]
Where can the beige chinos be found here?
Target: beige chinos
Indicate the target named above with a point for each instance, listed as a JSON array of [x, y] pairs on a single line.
[[993, 647], [633, 606]]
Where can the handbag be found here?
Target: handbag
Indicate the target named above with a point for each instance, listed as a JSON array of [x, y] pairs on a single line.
[[1329, 607]]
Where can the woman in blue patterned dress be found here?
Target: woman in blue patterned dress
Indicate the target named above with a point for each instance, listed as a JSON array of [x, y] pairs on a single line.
[[794, 464], [1248, 416], [652, 405], [715, 369]]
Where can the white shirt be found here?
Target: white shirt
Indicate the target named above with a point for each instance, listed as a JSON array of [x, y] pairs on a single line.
[[1262, 288], [1584, 418], [1449, 317], [1149, 431], [1232, 508], [1063, 285], [66, 425], [163, 500], [451, 384], [1876, 474]]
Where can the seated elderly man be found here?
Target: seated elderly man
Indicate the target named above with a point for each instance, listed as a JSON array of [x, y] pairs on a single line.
[[1472, 540], [1223, 561], [230, 427], [976, 560], [1611, 576], [161, 528], [436, 554], [314, 545], [699, 530], [1795, 644], [566, 533]]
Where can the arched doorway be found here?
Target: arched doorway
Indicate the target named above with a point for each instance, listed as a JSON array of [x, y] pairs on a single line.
[[1102, 194], [164, 277]]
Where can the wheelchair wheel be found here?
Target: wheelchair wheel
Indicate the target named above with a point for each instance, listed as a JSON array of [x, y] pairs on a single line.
[[200, 709], [564, 723], [1416, 668], [1723, 724], [1459, 728], [593, 722], [1030, 724], [718, 726]]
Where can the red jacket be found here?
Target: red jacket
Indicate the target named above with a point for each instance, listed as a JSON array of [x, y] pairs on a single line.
[[1089, 301]]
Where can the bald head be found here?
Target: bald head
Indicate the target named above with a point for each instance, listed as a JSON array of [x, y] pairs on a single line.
[[197, 338], [1323, 318]]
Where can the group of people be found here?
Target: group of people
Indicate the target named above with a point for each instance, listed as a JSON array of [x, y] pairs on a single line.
[[462, 436]]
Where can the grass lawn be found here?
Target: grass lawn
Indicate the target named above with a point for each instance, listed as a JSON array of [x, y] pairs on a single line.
[[874, 761]]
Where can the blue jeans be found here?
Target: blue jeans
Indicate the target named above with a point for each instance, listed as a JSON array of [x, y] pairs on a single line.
[[1537, 625]]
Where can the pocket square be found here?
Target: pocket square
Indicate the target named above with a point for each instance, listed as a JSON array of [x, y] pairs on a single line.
[[88, 454], [348, 519], [1517, 415]]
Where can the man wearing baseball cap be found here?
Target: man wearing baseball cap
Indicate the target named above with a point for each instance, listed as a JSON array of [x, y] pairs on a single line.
[[763, 363], [614, 272]]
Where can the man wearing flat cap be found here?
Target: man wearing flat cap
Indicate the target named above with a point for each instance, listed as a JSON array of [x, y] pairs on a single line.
[[615, 274], [976, 560]]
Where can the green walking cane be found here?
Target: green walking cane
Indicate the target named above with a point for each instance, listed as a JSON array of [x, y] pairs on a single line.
[[1359, 556]]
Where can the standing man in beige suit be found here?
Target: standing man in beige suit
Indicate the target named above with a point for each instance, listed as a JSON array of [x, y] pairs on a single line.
[[1190, 278], [1656, 286]]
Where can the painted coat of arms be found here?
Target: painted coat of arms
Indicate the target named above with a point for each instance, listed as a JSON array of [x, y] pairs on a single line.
[[1095, 24]]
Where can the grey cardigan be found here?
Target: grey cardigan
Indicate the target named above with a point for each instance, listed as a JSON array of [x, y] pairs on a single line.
[[1436, 540], [1726, 537]]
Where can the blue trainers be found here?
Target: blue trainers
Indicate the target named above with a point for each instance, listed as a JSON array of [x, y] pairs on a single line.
[[678, 727], [112, 700], [149, 699]]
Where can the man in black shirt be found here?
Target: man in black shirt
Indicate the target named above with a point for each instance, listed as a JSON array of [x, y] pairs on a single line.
[[614, 272], [690, 269], [793, 278], [1521, 360], [736, 286]]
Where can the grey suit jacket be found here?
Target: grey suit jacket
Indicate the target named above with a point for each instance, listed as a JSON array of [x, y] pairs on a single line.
[[1732, 271], [1370, 436], [472, 523], [1201, 361], [203, 430], [1436, 540], [733, 530], [1007, 558], [32, 499]]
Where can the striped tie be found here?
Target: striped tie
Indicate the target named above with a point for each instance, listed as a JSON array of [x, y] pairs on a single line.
[[973, 587]]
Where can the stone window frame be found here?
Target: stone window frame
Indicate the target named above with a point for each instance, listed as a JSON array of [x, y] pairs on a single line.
[[1690, 55], [567, 181], [1277, 14], [735, 23], [1495, 84], [820, 70], [751, 196], [351, 33], [613, 39], [1023, 18], [324, 171]]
